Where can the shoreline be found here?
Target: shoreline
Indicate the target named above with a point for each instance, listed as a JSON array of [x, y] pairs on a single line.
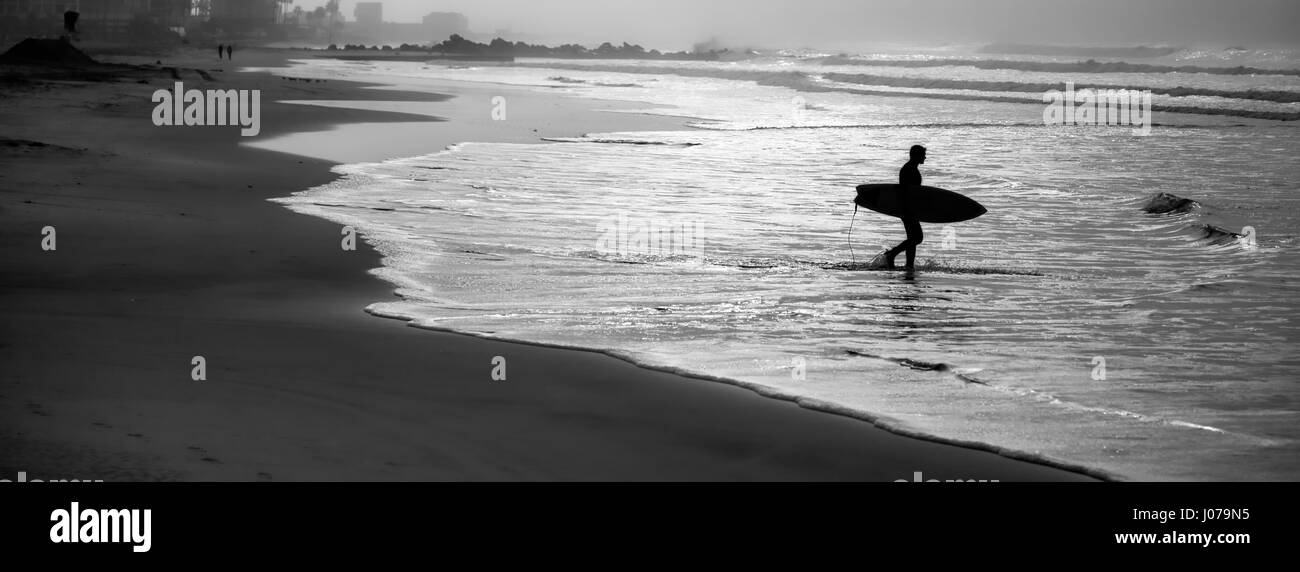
[[319, 391], [880, 422], [877, 421]]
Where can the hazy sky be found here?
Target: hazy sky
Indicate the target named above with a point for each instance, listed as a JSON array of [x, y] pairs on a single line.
[[675, 24]]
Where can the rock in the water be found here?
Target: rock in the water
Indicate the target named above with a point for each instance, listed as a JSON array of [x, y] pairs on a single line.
[[1167, 203], [1219, 235]]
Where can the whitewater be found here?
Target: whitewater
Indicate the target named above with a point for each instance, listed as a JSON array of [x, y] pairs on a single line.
[[1067, 325]]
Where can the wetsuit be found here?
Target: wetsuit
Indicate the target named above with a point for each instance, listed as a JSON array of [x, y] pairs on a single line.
[[908, 176]]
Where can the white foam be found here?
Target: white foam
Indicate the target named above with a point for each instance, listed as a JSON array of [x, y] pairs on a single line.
[[502, 241]]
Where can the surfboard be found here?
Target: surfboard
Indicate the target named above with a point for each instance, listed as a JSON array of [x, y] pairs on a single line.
[[929, 204]]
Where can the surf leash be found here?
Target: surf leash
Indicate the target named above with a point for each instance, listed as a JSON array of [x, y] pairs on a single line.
[[852, 257]]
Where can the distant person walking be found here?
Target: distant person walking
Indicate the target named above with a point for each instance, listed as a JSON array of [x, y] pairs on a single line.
[[909, 177], [230, 52], [220, 50]]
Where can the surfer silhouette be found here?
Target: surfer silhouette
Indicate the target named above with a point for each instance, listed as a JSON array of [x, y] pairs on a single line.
[[908, 177]]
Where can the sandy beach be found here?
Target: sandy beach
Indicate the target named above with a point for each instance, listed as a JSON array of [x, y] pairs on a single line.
[[167, 249]]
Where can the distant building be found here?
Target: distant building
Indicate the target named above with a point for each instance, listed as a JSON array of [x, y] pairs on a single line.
[[441, 25], [171, 12], [112, 18], [369, 14], [435, 28], [32, 8], [247, 16], [101, 19]]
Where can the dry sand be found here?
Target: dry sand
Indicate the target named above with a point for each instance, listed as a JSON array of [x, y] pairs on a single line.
[[167, 249]]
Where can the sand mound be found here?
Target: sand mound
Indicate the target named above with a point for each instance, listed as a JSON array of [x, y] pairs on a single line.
[[47, 51]]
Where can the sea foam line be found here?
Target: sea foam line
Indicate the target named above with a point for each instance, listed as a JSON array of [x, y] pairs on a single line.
[[880, 421]]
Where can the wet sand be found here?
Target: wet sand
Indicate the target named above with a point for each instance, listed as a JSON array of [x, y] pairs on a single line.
[[167, 249]]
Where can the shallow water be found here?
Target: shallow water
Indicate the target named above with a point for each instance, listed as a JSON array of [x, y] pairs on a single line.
[[724, 252]]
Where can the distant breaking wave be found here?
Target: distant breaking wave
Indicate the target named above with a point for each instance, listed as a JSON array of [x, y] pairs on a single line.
[[1247, 113], [723, 126], [1089, 66], [610, 141], [1085, 51], [570, 80], [805, 82], [936, 83]]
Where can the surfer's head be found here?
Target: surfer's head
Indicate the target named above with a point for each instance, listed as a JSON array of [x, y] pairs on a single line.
[[917, 153]]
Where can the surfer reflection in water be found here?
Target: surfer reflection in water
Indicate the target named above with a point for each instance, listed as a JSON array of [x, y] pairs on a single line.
[[908, 176]]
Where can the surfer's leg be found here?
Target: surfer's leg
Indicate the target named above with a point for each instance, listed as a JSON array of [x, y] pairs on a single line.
[[893, 253], [890, 254], [914, 238]]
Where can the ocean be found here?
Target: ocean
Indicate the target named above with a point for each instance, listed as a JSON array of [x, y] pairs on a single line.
[[1066, 325]]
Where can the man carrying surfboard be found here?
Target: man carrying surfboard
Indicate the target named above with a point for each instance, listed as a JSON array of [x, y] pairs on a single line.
[[909, 178], [914, 203]]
